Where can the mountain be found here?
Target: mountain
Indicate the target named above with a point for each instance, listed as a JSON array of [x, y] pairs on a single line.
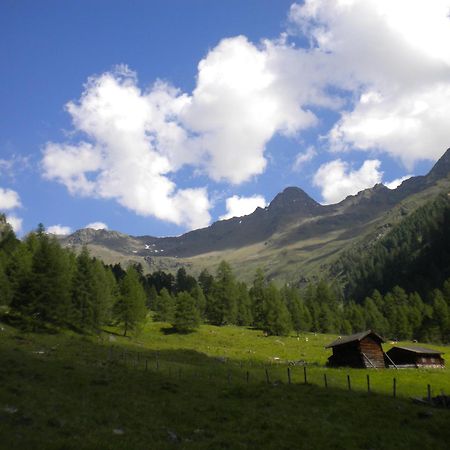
[[293, 239]]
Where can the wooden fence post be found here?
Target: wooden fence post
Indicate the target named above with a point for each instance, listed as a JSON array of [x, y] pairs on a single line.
[[248, 376], [349, 384], [304, 375], [325, 380], [394, 387], [289, 375], [267, 376], [368, 383]]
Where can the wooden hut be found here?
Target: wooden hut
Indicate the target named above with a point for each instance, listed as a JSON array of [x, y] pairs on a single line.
[[358, 350], [412, 356]]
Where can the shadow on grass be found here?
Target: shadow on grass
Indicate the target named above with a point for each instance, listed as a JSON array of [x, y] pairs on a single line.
[[103, 401], [173, 330]]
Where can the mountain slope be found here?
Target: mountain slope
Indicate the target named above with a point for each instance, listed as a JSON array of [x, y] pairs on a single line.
[[291, 239]]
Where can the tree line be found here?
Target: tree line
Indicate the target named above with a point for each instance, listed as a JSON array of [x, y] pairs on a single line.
[[415, 254], [43, 283]]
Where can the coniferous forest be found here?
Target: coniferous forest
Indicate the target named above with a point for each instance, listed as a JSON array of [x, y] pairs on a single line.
[[45, 285]]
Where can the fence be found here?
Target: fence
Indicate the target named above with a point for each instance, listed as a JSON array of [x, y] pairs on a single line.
[[244, 373]]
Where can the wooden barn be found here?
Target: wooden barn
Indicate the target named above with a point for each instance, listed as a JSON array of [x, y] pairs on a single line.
[[358, 350], [411, 356]]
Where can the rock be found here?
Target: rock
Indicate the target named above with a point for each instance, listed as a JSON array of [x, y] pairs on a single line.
[[118, 431]]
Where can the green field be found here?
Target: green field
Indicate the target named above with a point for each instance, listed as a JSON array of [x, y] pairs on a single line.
[[162, 391]]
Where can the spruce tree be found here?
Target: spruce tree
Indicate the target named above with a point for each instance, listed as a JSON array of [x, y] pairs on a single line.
[[130, 310], [257, 298], [164, 307], [200, 300], [223, 308], [277, 319], [244, 309], [49, 283], [187, 317]]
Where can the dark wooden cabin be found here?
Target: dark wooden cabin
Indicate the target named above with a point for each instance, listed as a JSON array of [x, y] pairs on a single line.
[[412, 356], [358, 350]]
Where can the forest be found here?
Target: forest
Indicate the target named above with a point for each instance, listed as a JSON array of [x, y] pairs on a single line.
[[43, 285]]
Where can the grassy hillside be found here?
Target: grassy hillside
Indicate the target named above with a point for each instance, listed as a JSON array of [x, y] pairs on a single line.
[[164, 391]]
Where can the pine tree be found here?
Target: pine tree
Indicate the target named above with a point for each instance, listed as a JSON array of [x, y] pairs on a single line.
[[184, 282], [200, 300], [257, 298], [277, 318], [164, 307], [223, 299], [84, 292], [130, 310], [187, 317], [51, 275], [206, 281], [291, 298], [244, 314], [152, 297], [6, 290]]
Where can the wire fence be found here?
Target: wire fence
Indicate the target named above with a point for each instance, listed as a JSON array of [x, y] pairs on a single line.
[[228, 372]]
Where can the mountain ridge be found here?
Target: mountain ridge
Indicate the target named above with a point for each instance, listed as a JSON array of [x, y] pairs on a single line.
[[291, 224]]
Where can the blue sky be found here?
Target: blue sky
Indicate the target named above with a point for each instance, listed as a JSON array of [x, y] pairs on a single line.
[[156, 117]]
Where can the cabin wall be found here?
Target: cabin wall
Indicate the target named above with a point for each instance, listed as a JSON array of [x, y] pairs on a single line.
[[372, 349], [346, 355], [402, 358]]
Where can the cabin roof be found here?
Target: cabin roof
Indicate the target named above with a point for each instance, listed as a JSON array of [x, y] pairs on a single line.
[[418, 350], [354, 338]]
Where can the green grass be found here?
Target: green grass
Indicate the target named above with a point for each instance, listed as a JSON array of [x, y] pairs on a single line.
[[65, 391]]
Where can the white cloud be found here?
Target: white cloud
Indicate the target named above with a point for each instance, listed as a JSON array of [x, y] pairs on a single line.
[[97, 226], [303, 157], [135, 143], [383, 64], [15, 222], [397, 182], [241, 206], [245, 95], [393, 57], [9, 199], [337, 179], [59, 229]]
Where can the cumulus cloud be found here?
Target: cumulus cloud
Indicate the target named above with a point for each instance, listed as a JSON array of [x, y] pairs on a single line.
[[133, 144], [241, 206], [59, 229], [383, 65], [397, 182], [393, 57], [97, 226], [337, 179], [9, 199], [303, 157]]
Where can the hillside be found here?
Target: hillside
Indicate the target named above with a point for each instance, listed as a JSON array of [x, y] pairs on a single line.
[[293, 239], [191, 391]]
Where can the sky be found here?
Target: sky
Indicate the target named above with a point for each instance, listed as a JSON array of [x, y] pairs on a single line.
[[158, 117]]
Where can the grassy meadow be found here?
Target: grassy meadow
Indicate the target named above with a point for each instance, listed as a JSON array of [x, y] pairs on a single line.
[[161, 390]]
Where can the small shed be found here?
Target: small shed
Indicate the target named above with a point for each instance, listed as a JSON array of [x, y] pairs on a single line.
[[412, 356], [361, 350]]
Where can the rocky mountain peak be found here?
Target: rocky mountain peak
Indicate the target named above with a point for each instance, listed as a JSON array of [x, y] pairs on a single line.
[[293, 200], [442, 168]]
